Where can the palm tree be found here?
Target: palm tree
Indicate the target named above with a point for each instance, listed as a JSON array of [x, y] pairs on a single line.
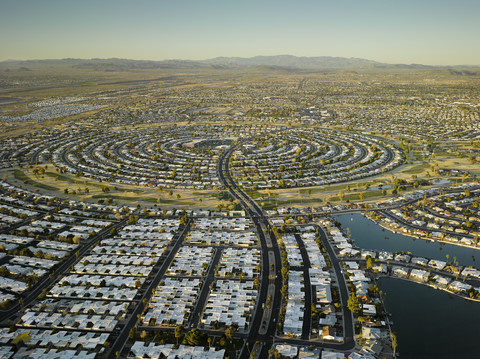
[[394, 344], [230, 332], [179, 332]]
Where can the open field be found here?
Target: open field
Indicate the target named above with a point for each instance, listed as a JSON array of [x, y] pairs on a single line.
[[55, 184]]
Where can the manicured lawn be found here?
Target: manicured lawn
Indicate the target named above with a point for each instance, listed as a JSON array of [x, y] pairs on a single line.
[[417, 169], [20, 175]]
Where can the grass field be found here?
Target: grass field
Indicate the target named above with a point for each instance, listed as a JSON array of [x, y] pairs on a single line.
[[89, 190], [318, 196], [417, 169], [75, 180], [20, 175], [55, 183]]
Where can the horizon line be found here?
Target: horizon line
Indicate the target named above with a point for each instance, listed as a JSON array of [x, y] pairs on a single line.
[[231, 57]]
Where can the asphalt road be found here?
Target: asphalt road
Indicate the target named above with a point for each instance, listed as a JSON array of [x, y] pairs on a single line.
[[260, 220], [263, 228], [202, 298], [424, 228], [60, 271], [307, 313], [348, 330], [160, 270]]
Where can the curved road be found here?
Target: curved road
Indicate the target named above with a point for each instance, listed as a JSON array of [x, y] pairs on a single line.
[[263, 328], [271, 258]]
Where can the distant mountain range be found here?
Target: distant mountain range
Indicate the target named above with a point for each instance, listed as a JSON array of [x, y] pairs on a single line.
[[279, 62], [293, 62]]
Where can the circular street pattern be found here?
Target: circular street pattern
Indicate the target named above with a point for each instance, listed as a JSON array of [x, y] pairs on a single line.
[[187, 157], [295, 158]]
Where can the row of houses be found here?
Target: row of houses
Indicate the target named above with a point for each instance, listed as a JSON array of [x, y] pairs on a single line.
[[361, 284], [162, 158], [434, 118], [293, 323], [142, 350], [450, 217], [172, 302], [319, 277], [225, 224], [230, 303], [247, 238], [239, 262], [99, 291], [348, 157], [38, 240]]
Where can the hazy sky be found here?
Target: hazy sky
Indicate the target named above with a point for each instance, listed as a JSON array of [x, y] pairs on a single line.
[[433, 32]]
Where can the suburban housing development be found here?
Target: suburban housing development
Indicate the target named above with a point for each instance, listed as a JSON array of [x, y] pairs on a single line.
[[253, 212]]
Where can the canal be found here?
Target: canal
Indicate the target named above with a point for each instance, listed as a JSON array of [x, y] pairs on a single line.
[[369, 235], [429, 323]]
